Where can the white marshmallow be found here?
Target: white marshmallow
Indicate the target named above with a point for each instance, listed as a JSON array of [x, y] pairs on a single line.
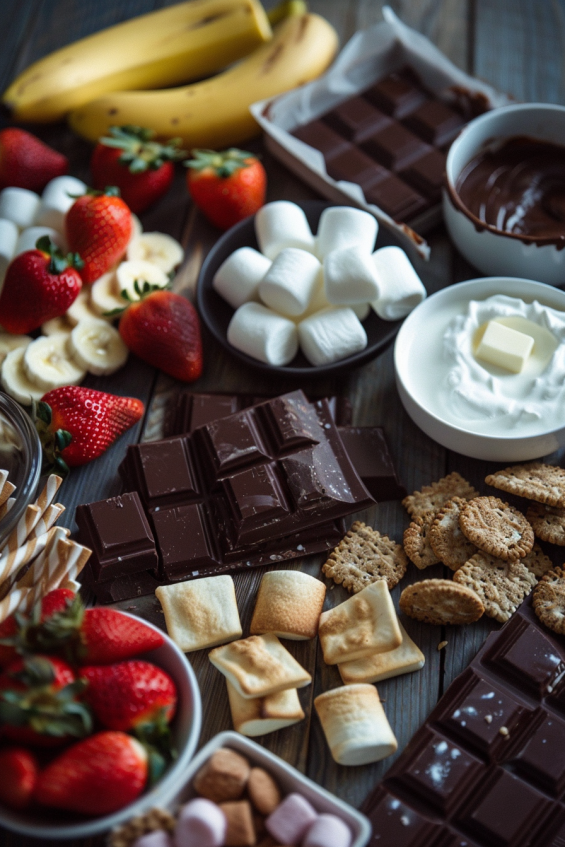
[[200, 823], [282, 224], [8, 241], [350, 277], [361, 310], [343, 226], [28, 238], [263, 334], [330, 335], [290, 282], [328, 831], [318, 301], [236, 280], [19, 205], [56, 201], [400, 287]]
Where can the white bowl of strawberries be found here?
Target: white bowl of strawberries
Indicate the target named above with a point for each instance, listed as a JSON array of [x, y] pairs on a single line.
[[97, 701]]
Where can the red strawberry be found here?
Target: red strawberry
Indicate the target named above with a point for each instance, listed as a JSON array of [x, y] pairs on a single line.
[[163, 329], [19, 769], [96, 776], [129, 694], [54, 601], [38, 702], [77, 424], [26, 162], [228, 186], [39, 285], [141, 168], [99, 229]]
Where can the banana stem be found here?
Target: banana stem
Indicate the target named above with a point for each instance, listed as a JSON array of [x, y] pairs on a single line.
[[286, 9]]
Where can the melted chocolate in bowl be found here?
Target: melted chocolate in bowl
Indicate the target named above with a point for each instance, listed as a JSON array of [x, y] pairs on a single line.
[[517, 188]]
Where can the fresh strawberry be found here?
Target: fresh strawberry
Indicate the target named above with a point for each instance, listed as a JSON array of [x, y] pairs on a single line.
[[227, 186], [54, 601], [38, 702], [96, 776], [97, 636], [99, 228], [141, 168], [163, 329], [76, 424], [26, 162], [127, 695], [19, 769], [39, 285]]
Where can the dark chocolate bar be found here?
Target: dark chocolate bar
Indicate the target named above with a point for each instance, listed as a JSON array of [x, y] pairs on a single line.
[[368, 450], [266, 484], [488, 766], [395, 135]]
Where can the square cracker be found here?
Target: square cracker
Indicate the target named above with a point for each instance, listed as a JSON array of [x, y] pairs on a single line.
[[258, 666], [200, 613], [501, 585], [365, 556], [364, 624], [534, 480], [405, 658], [260, 715], [289, 603], [433, 497]]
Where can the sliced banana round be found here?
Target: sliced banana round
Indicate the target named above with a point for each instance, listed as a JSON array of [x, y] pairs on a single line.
[[15, 381], [135, 273], [82, 307], [57, 325], [9, 342], [105, 295], [48, 363], [156, 247], [97, 346]]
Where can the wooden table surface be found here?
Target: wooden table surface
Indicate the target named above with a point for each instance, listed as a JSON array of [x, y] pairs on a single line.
[[519, 47]]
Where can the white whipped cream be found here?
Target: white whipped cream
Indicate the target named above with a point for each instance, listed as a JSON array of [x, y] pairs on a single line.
[[488, 399]]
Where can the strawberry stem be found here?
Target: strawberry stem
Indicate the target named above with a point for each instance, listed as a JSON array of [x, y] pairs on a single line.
[[224, 164], [140, 153], [53, 443], [58, 261]]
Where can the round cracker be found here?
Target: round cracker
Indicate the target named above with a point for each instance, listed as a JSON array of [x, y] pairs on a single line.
[[549, 600], [548, 522], [441, 601], [417, 543], [496, 528], [446, 539]]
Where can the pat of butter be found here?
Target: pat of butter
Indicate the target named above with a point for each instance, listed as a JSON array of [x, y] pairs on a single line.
[[505, 347]]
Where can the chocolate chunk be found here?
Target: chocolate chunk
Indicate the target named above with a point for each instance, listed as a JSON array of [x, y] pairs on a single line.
[[397, 94], [356, 118], [394, 146], [395, 198], [323, 138], [426, 174], [367, 448], [435, 122], [355, 166], [163, 473]]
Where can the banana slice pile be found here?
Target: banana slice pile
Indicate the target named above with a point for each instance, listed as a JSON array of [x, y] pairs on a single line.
[[83, 339]]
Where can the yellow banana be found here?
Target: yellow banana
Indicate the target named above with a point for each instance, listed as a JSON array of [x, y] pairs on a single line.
[[167, 47], [215, 113]]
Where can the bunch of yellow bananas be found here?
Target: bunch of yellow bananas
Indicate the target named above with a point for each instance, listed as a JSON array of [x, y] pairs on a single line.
[[99, 81]]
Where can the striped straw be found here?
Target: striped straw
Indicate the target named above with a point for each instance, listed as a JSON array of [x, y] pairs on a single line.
[[35, 572], [5, 508], [11, 562], [18, 600], [50, 516], [6, 491]]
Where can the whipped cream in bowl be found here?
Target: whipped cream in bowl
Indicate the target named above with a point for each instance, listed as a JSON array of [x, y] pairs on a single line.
[[479, 407]]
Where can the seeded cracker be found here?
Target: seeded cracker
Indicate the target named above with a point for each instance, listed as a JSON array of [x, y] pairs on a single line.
[[537, 562], [549, 600], [496, 528], [548, 522], [433, 497], [501, 585], [441, 601], [365, 556], [417, 543], [446, 539], [535, 480]]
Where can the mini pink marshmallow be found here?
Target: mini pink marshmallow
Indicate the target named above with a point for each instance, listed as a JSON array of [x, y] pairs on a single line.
[[328, 831], [291, 819], [200, 824], [158, 838]]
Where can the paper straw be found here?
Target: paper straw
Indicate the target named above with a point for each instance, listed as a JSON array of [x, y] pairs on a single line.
[[40, 563], [49, 490], [6, 507], [22, 529], [18, 600], [50, 516], [12, 561], [6, 491]]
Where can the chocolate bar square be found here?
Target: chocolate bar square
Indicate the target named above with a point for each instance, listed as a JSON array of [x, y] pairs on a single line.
[[323, 138], [394, 146], [397, 94], [435, 122], [356, 118], [356, 166], [395, 197], [426, 174]]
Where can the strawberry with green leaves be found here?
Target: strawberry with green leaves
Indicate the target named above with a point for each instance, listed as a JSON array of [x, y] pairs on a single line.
[[26, 162], [142, 168], [77, 424], [98, 227], [163, 329], [227, 186], [54, 601], [95, 776], [39, 285]]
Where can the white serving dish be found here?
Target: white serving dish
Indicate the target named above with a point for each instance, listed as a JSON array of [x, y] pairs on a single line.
[[410, 356], [186, 732], [287, 777], [492, 250]]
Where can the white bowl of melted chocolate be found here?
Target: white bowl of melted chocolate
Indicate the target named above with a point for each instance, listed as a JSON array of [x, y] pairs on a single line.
[[504, 200]]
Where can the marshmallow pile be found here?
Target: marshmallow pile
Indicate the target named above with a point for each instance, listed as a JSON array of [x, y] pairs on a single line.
[[239, 804], [313, 292]]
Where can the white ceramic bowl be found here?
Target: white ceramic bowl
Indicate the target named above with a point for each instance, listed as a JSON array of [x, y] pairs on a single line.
[[414, 366], [287, 777], [186, 728], [491, 250]]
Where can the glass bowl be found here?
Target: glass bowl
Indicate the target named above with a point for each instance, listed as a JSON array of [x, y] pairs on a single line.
[[21, 456]]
